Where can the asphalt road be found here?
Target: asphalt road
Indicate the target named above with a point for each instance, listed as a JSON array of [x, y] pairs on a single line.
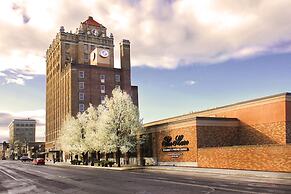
[[18, 177]]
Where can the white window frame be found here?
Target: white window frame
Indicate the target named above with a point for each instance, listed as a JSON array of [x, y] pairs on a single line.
[[102, 78], [81, 74], [102, 99], [81, 107], [117, 78], [81, 85], [81, 96], [102, 89]]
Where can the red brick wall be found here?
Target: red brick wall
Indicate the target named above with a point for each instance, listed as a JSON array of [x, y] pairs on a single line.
[[263, 157], [134, 95], [257, 122], [215, 136], [288, 119], [187, 156], [263, 133]]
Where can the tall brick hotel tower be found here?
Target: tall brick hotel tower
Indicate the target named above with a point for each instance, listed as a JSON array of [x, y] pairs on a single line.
[[80, 70]]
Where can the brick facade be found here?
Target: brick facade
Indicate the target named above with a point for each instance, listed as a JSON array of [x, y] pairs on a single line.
[[261, 157], [182, 156], [258, 130], [75, 59], [213, 136], [262, 133], [288, 120]]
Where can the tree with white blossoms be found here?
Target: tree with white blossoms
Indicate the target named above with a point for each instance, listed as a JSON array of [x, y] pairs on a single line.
[[71, 139], [112, 127], [93, 128], [120, 124]]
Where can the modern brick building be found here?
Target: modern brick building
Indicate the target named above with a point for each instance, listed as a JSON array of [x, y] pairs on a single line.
[[252, 135], [80, 70]]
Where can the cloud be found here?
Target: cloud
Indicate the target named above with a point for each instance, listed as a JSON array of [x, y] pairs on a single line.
[[2, 74], [21, 10], [18, 81], [164, 34], [16, 76], [5, 119], [190, 82], [38, 115]]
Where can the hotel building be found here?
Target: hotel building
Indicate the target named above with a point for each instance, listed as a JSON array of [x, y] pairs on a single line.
[[80, 70]]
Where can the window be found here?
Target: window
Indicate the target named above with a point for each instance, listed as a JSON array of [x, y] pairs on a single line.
[[81, 85], [86, 57], [67, 46], [81, 96], [102, 78], [102, 99], [117, 78], [102, 89], [81, 107], [81, 74], [85, 48]]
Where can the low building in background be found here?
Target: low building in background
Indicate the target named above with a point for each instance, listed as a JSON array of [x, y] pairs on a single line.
[[4, 150], [252, 135], [36, 150], [21, 133]]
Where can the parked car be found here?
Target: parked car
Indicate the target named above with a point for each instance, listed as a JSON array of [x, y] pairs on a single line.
[[25, 159], [39, 161]]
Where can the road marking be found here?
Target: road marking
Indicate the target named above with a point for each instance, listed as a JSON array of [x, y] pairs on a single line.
[[8, 175]]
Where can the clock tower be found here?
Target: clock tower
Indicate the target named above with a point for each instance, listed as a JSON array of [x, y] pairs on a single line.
[[80, 71]]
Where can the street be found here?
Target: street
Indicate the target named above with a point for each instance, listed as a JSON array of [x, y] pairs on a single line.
[[18, 177]]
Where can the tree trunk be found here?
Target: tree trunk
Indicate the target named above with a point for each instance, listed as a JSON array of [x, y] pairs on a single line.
[[117, 154], [98, 156], [126, 157]]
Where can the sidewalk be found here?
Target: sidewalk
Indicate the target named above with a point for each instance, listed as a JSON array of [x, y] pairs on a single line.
[[192, 171]]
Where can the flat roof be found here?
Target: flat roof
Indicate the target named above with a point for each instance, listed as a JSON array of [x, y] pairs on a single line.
[[22, 120], [171, 119]]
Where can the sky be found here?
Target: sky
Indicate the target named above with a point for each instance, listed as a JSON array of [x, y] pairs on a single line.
[[187, 55]]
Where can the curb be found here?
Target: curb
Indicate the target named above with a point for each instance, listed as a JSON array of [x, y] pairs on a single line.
[[94, 167]]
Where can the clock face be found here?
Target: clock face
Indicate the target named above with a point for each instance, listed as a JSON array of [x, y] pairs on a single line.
[[104, 53], [94, 32]]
